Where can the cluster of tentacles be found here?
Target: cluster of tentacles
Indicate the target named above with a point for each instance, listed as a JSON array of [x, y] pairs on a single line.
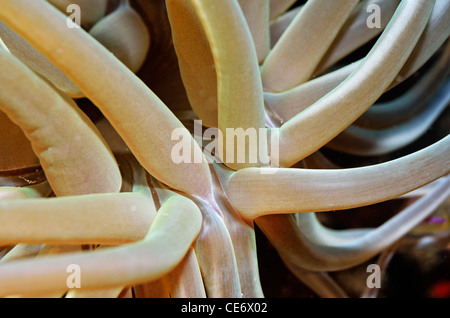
[[87, 115]]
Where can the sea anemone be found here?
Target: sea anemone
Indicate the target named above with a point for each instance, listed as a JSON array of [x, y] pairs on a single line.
[[350, 97]]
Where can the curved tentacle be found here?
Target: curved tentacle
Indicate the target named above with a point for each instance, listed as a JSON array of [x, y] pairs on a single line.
[[367, 142], [54, 125], [112, 218], [213, 247], [435, 34], [237, 71], [185, 281], [294, 58], [355, 32], [387, 114], [109, 85], [195, 59], [290, 103], [320, 282], [286, 190], [173, 230], [280, 24], [35, 60], [360, 90], [257, 16], [282, 231], [242, 234], [124, 33]]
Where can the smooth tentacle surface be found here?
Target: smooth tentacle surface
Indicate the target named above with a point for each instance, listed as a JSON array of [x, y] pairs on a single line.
[[294, 246], [366, 142], [237, 71], [379, 68], [396, 111], [128, 263], [289, 103], [89, 219], [115, 136], [283, 69], [53, 128], [323, 190], [68, 48]]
